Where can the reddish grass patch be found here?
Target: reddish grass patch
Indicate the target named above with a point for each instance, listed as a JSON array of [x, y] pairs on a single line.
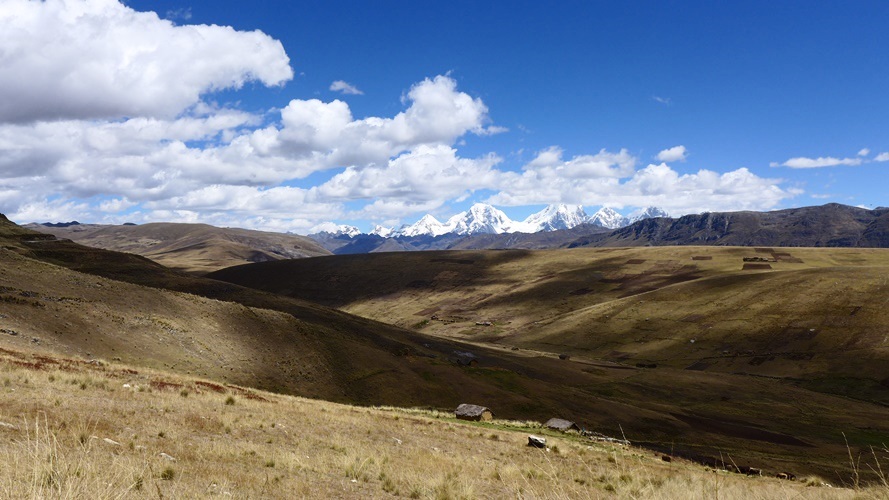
[[255, 397], [163, 384], [29, 365], [47, 360], [11, 353], [636, 261], [211, 386], [248, 394]]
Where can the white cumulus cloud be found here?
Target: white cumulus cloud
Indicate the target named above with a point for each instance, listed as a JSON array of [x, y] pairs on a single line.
[[424, 174], [655, 185], [88, 59], [821, 161], [345, 88], [676, 153], [222, 165], [326, 134]]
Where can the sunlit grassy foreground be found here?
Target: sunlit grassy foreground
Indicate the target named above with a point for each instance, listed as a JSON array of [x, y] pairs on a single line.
[[69, 429]]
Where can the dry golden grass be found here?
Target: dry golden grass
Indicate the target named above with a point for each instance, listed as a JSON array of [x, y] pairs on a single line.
[[756, 420], [70, 429], [197, 248]]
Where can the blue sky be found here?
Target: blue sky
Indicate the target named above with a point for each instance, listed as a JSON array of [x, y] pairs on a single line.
[[232, 115]]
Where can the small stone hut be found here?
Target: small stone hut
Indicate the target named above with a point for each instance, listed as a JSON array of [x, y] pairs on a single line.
[[473, 412], [561, 424]]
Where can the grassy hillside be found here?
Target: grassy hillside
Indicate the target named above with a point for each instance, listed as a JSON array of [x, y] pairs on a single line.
[[198, 248], [74, 429], [773, 312], [778, 360], [208, 328]]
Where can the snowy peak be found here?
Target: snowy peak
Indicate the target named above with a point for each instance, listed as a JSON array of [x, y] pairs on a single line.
[[337, 230], [427, 226], [480, 219], [648, 213], [383, 231], [555, 217], [609, 219]]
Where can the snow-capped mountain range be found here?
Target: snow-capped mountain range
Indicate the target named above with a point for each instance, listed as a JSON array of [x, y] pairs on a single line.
[[485, 219]]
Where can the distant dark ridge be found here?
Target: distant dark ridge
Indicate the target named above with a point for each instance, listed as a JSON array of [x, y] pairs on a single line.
[[370, 243], [831, 225], [61, 224]]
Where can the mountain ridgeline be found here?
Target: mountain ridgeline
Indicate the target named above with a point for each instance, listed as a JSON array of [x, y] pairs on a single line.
[[482, 226], [831, 225]]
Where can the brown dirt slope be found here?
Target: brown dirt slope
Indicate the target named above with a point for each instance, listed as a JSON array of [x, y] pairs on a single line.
[[196, 248]]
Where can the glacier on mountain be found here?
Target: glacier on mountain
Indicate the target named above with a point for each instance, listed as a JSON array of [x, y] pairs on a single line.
[[555, 217], [426, 226], [648, 213], [337, 229], [382, 231], [608, 218], [482, 218]]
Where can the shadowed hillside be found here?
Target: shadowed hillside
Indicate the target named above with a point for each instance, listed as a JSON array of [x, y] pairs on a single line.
[[695, 327], [190, 247], [737, 310]]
